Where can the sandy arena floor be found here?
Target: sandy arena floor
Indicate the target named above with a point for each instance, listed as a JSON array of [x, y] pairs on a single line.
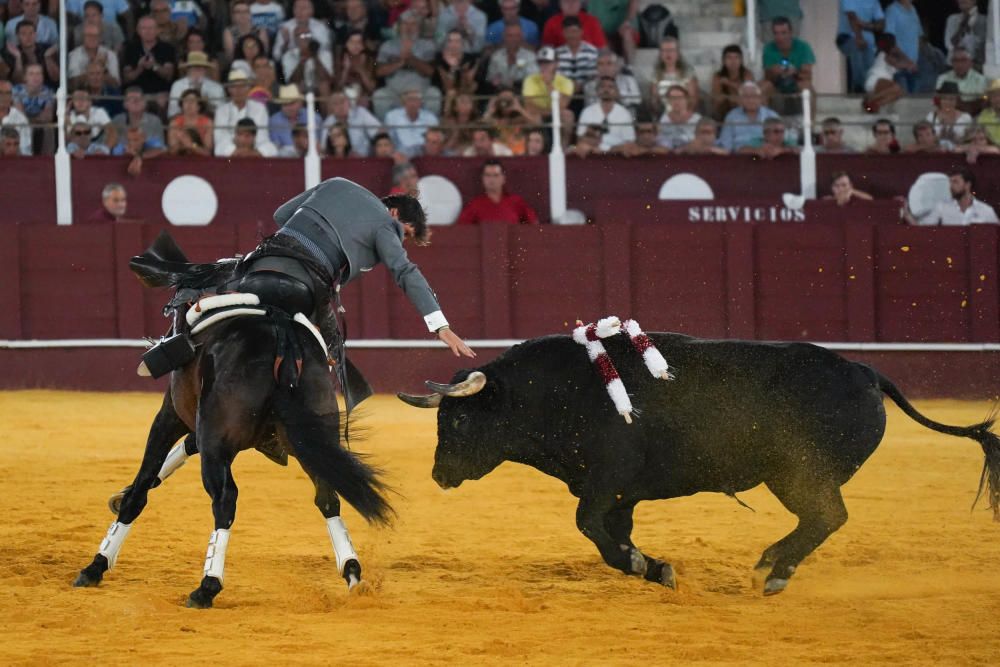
[[494, 572]]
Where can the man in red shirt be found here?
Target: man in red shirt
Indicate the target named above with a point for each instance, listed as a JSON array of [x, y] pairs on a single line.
[[495, 205], [552, 33]]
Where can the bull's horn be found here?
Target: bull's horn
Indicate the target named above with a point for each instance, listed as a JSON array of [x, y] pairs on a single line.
[[471, 385], [429, 401]]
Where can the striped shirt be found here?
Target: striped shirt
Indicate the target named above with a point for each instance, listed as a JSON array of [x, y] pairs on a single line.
[[581, 67]]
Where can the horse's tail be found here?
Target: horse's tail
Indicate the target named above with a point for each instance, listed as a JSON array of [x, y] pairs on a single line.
[[316, 444], [982, 433]]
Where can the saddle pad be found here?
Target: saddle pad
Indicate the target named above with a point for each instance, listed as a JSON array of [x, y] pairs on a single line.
[[220, 301], [225, 314]]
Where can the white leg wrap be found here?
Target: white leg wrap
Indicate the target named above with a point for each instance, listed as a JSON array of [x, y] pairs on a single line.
[[215, 560], [175, 459], [343, 548], [112, 542]]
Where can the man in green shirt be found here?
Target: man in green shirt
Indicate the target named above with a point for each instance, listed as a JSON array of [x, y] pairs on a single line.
[[618, 20], [788, 61], [990, 119]]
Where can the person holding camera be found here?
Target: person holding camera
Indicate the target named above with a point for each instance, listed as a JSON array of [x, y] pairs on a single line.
[[308, 64], [509, 119], [788, 63]]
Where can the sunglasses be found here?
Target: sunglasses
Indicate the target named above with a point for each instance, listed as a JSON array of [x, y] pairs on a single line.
[[81, 133]]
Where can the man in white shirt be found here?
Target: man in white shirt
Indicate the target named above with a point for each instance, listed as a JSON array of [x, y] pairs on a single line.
[[195, 68], [238, 107], [963, 210], [407, 124], [92, 50], [362, 125], [302, 18], [616, 121]]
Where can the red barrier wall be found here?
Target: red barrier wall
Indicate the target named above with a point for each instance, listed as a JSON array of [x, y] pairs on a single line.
[[829, 282]]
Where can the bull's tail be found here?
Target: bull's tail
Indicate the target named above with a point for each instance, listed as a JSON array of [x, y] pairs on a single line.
[[982, 433], [315, 441]]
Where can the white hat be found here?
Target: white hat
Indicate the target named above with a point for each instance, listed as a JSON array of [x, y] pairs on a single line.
[[546, 54], [289, 93]]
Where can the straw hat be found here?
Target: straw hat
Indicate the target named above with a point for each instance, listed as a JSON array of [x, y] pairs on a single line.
[[196, 59], [237, 76], [289, 93], [994, 87]]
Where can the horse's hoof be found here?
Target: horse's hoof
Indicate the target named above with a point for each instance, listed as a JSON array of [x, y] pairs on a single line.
[[201, 597], [115, 501], [196, 601], [84, 580], [775, 586], [359, 587]]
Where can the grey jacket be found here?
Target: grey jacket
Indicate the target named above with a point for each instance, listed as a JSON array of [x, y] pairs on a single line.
[[359, 224]]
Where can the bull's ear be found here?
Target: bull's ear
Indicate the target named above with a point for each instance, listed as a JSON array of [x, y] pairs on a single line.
[[429, 401], [473, 384]]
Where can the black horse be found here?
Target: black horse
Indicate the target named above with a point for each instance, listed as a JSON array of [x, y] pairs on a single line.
[[254, 380]]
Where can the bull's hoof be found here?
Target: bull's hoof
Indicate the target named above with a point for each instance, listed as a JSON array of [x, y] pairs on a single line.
[[115, 501], [202, 597], [759, 576], [661, 573], [775, 586], [667, 577]]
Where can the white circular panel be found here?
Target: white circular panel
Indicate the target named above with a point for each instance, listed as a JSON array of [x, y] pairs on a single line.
[[441, 199], [927, 192], [189, 200], [686, 186]]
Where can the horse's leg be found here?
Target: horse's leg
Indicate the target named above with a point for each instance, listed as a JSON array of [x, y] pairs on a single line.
[[177, 457], [166, 429], [348, 563], [217, 476]]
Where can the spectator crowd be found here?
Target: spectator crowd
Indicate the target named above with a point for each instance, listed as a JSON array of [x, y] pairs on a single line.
[[406, 78]]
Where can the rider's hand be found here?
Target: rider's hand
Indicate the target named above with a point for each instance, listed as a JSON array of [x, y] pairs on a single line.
[[457, 345]]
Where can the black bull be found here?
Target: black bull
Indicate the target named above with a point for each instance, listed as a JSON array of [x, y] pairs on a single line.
[[796, 417]]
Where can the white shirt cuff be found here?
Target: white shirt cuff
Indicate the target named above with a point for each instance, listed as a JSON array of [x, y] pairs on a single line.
[[435, 321]]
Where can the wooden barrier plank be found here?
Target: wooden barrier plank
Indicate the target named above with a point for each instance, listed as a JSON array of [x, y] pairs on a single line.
[[10, 281], [741, 267], [984, 294], [859, 276]]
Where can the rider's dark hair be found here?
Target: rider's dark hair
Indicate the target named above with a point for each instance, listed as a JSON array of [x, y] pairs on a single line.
[[412, 212]]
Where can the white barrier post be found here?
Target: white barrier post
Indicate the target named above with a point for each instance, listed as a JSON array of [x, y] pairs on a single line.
[[557, 165], [312, 155], [807, 160], [751, 32], [64, 189]]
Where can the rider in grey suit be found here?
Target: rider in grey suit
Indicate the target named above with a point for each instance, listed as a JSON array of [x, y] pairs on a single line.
[[349, 230]]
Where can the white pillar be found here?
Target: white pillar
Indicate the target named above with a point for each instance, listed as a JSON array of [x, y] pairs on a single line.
[[807, 160], [64, 189], [751, 7], [312, 155], [557, 165]]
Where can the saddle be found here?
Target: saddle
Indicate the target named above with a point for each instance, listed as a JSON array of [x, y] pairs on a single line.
[[275, 274]]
